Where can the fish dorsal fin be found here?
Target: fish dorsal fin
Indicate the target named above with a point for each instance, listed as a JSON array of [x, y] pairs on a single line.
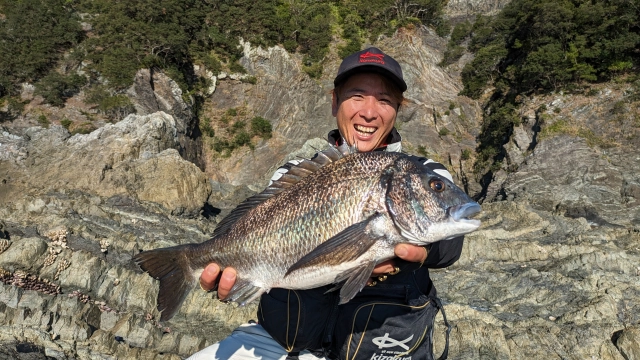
[[296, 173]]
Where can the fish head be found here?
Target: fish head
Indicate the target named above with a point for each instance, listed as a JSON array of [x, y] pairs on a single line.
[[427, 207]]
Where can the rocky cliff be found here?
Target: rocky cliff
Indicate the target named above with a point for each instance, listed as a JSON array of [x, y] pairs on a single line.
[[554, 271]]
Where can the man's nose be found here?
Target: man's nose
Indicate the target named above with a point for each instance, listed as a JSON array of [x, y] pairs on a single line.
[[368, 110]]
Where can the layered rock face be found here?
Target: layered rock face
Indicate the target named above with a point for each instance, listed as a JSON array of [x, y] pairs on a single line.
[[554, 271]]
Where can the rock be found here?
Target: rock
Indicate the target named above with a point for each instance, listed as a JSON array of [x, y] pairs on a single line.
[[470, 8], [152, 92], [628, 342], [566, 176], [552, 272], [126, 158], [21, 254]]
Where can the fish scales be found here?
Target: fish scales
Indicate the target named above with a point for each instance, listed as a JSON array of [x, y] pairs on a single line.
[[298, 220], [331, 225]]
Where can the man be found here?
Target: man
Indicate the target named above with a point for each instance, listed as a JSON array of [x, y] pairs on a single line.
[[365, 101]]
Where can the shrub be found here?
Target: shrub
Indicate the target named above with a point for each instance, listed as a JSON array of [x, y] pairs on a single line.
[[249, 80], [261, 127], [56, 88], [205, 127], [242, 138], [35, 34], [237, 126], [43, 121], [466, 154], [422, 151], [115, 107], [443, 132], [66, 123]]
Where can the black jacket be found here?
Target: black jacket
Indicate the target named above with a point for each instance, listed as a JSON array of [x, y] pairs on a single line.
[[312, 319]]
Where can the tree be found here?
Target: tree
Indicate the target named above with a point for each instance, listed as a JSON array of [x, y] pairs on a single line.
[[34, 34]]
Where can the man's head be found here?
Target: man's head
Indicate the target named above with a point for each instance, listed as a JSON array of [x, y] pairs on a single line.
[[368, 91]]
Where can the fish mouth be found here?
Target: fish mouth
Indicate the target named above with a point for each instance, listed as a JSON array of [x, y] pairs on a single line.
[[463, 212]]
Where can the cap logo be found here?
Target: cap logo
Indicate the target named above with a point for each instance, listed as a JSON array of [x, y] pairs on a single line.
[[372, 58]]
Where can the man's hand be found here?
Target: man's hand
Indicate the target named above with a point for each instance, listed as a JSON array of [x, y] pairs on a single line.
[[408, 252], [209, 277]]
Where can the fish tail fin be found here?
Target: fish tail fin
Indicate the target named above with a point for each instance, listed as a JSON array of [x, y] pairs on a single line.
[[172, 267]]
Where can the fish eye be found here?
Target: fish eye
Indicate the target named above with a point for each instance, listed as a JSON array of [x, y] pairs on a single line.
[[437, 185]]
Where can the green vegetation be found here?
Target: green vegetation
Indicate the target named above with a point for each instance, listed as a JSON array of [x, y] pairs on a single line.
[[114, 106], [422, 151], [261, 127], [537, 47], [172, 35], [232, 132], [205, 127], [66, 123], [443, 132], [56, 88], [34, 34], [43, 121], [560, 127]]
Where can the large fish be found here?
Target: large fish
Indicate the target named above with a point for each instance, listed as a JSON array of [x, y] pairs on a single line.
[[327, 220]]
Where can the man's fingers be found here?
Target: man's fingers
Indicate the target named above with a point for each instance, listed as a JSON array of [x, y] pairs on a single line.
[[227, 280], [383, 268], [209, 277], [412, 253]]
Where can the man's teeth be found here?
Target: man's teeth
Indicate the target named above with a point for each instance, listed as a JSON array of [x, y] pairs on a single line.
[[365, 129]]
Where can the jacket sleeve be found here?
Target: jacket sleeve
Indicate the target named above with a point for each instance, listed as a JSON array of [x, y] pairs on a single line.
[[444, 253]]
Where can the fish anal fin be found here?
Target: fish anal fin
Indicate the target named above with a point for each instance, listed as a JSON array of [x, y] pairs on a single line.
[[346, 246]]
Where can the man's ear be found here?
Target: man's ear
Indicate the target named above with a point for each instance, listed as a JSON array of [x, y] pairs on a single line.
[[334, 103]]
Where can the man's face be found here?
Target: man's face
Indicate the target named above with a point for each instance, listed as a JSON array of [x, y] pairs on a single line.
[[365, 111]]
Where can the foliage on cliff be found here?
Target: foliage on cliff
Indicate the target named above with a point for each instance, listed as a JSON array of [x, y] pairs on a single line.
[[541, 46], [33, 36], [122, 36]]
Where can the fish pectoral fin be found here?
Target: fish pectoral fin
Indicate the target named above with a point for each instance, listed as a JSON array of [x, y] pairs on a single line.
[[348, 245], [356, 282], [244, 292]]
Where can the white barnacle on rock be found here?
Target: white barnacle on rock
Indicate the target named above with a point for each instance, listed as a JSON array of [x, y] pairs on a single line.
[[53, 255], [62, 265], [104, 244], [58, 237], [50, 259], [4, 245]]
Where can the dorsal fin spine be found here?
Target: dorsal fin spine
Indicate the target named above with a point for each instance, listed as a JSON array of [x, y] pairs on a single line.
[[291, 177]]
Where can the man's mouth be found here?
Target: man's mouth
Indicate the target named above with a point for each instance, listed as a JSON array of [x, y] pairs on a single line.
[[365, 130]]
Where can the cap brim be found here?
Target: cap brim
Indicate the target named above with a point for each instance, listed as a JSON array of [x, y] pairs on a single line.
[[371, 69]]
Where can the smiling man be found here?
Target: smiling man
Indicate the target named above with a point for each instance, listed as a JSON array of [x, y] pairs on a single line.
[[400, 302]]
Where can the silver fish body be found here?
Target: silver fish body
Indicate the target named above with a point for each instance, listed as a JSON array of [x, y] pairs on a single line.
[[328, 220]]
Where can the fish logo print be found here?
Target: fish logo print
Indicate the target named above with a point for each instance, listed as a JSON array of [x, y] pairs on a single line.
[[370, 57], [387, 342]]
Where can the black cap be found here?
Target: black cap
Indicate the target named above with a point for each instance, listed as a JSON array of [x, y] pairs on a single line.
[[371, 60]]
